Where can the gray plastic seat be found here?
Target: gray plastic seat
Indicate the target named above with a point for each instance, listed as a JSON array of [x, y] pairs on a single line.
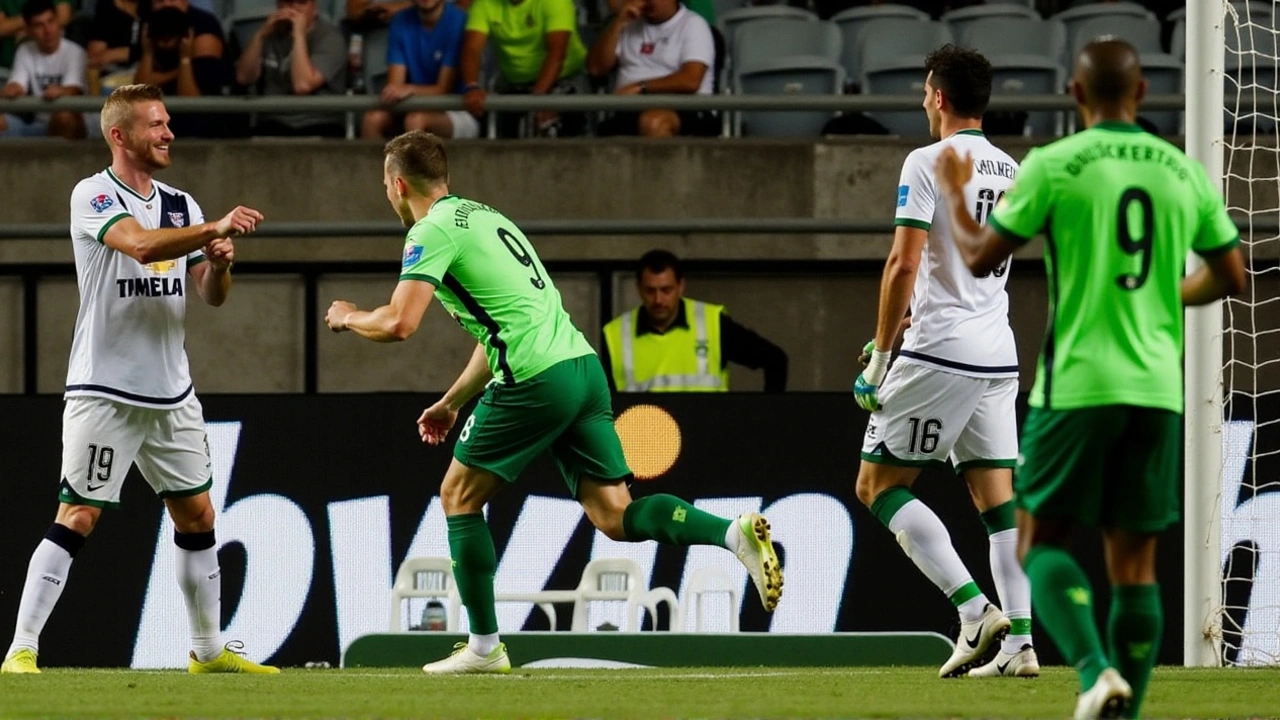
[[733, 19], [1029, 75], [1074, 17], [893, 53], [761, 41], [243, 9], [1016, 36], [960, 20], [797, 75], [1164, 75], [373, 63], [1250, 78], [1142, 33], [1178, 43], [724, 6], [852, 21]]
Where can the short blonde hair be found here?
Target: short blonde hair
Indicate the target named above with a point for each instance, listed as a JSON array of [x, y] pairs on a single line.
[[117, 111]]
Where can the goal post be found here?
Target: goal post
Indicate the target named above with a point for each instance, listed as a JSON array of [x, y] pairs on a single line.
[[1202, 581]]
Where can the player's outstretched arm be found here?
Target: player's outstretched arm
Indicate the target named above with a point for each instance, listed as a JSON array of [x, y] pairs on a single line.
[[982, 249], [393, 322], [436, 420], [148, 246], [1221, 276], [213, 277]]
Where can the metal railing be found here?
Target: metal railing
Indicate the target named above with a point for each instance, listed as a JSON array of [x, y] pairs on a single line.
[[572, 103]]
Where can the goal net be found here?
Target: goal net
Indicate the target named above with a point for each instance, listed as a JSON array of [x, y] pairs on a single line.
[[1246, 630]]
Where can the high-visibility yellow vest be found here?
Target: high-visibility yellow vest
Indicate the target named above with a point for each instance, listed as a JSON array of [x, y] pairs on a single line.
[[679, 360]]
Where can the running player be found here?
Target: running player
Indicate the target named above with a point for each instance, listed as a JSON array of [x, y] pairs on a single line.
[[952, 392], [544, 389], [1120, 209], [139, 245]]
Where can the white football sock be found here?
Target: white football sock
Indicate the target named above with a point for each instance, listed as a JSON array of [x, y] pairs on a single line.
[[201, 581], [732, 536], [482, 645], [46, 576], [926, 541], [1012, 585]]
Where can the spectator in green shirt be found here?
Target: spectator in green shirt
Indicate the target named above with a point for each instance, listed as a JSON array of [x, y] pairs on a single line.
[[539, 53]]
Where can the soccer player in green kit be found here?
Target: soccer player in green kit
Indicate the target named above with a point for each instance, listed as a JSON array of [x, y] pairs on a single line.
[[544, 389], [1120, 210]]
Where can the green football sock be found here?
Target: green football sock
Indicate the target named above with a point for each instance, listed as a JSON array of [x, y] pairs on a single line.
[[1133, 634], [474, 563], [670, 520], [1063, 600]]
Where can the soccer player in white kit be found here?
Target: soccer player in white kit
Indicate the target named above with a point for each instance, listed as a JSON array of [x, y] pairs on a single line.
[[139, 246], [951, 394]]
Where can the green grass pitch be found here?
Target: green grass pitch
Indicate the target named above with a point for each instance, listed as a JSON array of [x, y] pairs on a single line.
[[649, 693]]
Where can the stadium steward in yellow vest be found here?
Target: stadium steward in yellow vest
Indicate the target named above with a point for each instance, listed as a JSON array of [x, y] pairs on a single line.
[[676, 344]]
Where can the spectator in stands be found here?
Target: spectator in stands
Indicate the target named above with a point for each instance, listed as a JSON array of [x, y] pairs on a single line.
[[705, 8], [296, 53], [367, 15], [422, 59], [113, 36], [169, 61], [204, 24], [539, 52], [48, 66], [674, 344], [657, 46], [13, 27]]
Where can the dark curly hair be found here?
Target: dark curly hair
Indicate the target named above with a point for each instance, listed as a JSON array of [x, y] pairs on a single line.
[[964, 77]]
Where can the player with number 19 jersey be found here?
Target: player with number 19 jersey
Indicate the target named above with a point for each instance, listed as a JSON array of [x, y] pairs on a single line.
[[489, 278]]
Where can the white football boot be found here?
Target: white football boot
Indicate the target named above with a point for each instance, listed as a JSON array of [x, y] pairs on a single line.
[[1108, 698], [975, 640], [1023, 664], [755, 551], [464, 662]]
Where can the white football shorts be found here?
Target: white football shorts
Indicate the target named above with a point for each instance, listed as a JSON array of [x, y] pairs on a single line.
[[928, 416], [102, 438]]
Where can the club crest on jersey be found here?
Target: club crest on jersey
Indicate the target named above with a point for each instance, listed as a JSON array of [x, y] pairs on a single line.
[[903, 192], [647, 48], [161, 267], [178, 219], [102, 202], [412, 254]]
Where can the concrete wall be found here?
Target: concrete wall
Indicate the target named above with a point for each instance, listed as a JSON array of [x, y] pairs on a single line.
[[254, 343]]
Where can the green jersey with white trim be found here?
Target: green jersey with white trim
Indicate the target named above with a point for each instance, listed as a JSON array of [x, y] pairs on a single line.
[[1120, 210], [489, 278]]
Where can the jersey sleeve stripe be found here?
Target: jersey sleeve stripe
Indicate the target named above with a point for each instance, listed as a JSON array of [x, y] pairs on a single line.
[[1006, 233], [196, 261], [1221, 249], [422, 277], [102, 232], [912, 222]]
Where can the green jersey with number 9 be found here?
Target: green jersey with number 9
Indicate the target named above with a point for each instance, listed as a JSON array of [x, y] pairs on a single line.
[[1120, 209], [489, 278]]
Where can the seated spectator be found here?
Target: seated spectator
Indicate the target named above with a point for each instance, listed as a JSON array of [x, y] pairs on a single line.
[[704, 8], [296, 53], [539, 52], [657, 46], [13, 27], [368, 15], [422, 59], [204, 25], [49, 66], [113, 36], [169, 61]]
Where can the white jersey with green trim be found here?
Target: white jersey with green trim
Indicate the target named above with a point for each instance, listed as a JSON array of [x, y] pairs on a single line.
[[130, 335], [959, 323]]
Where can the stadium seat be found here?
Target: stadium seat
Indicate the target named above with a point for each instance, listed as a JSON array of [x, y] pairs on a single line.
[[731, 20], [609, 580], [724, 6], [709, 581], [373, 64], [1178, 42], [893, 64], [1074, 17], [802, 75], [1016, 36], [1164, 76], [425, 577], [250, 8], [852, 21], [960, 20], [1142, 33], [1029, 75], [769, 39], [1250, 77]]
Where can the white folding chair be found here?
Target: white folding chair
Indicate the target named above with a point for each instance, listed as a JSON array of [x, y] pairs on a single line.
[[425, 577]]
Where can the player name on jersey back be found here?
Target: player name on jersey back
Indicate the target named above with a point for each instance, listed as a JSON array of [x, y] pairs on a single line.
[[959, 323], [129, 335]]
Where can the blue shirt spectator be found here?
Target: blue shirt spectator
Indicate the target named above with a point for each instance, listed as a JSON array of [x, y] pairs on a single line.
[[423, 47]]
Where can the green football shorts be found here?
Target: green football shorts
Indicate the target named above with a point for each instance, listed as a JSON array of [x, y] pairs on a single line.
[[566, 409], [1114, 466]]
